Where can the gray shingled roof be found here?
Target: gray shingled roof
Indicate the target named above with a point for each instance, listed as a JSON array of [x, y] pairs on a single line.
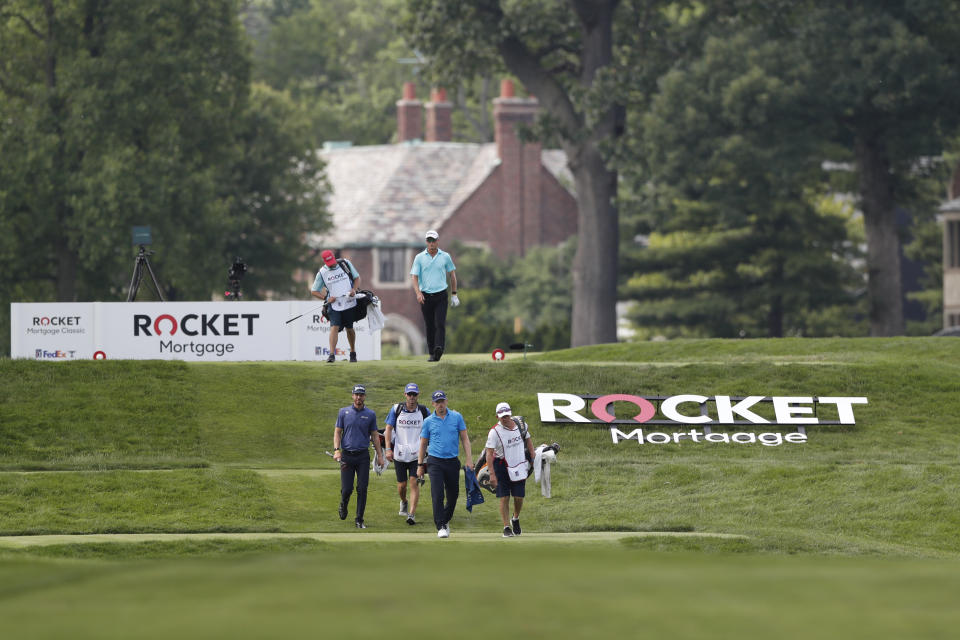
[[391, 194]]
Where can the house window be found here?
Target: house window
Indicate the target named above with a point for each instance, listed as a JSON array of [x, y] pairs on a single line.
[[953, 244], [392, 264]]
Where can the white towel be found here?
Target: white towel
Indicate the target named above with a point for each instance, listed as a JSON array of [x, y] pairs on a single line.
[[544, 457]]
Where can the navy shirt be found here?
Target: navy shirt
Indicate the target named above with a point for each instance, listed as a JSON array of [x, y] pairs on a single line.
[[357, 427]]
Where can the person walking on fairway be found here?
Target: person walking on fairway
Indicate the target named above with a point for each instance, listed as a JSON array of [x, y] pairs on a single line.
[[404, 423], [429, 273], [356, 427], [507, 449], [440, 439], [338, 282]]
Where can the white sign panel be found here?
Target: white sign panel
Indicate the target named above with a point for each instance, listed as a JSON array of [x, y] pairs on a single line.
[[195, 331], [52, 331]]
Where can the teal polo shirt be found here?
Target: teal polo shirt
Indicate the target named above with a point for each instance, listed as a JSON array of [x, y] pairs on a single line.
[[432, 270], [443, 434]]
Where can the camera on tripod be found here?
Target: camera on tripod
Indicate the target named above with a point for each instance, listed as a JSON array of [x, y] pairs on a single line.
[[234, 275]]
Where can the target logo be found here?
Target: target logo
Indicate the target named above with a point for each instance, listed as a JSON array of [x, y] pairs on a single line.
[[498, 355]]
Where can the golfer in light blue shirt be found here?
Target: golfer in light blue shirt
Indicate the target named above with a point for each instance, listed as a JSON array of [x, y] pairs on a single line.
[[439, 448], [431, 268]]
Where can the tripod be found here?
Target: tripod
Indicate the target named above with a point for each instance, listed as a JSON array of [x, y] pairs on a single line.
[[143, 258]]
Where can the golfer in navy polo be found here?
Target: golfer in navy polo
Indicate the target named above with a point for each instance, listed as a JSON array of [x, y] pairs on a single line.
[[356, 427], [440, 439]]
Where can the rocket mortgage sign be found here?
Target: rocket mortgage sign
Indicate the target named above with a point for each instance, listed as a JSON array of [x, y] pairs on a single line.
[[692, 416]]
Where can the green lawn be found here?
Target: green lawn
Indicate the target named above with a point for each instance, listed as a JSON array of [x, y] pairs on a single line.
[[438, 589], [865, 515]]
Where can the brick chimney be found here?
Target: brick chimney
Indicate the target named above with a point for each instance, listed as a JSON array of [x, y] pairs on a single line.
[[520, 167], [409, 115], [439, 120]]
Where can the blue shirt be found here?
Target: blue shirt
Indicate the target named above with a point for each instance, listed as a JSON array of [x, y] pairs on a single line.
[[357, 427], [443, 434], [431, 271]]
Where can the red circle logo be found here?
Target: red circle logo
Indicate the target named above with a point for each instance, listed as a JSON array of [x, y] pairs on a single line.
[[99, 355], [498, 355]]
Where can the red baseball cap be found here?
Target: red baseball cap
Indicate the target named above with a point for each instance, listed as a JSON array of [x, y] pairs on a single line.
[[328, 258]]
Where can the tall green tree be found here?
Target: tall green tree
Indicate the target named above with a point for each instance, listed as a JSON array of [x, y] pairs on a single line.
[[888, 75], [122, 114], [563, 52], [342, 60], [728, 185]]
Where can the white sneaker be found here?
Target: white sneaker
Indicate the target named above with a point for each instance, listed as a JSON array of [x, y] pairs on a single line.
[[444, 532], [403, 509]]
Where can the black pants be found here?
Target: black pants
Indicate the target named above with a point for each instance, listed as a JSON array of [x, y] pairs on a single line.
[[434, 309], [444, 478], [355, 462]]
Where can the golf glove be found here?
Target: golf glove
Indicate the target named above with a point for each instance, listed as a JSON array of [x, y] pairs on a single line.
[[454, 300]]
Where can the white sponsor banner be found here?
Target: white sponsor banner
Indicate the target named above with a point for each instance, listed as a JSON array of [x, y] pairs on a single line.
[[52, 331], [195, 331]]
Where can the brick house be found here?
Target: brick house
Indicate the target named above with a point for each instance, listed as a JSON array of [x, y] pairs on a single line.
[[507, 196]]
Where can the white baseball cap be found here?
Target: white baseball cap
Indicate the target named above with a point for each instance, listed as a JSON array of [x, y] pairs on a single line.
[[503, 409], [432, 234]]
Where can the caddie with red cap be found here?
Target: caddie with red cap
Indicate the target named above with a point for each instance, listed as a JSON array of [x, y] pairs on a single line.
[[337, 283]]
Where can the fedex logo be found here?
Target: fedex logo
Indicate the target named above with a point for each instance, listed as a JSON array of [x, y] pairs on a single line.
[[43, 354]]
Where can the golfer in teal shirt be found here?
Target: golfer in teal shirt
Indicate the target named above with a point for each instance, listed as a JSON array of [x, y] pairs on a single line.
[[440, 439], [431, 268]]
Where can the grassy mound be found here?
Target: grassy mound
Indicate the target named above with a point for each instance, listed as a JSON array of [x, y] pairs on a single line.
[[169, 447]]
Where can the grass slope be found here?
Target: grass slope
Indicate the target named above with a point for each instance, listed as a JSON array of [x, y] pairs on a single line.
[[887, 485], [168, 447]]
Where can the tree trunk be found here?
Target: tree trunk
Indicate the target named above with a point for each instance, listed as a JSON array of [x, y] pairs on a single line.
[[66, 257], [883, 243], [594, 318]]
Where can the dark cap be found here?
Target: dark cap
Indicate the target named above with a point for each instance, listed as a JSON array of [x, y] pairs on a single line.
[[359, 388], [439, 395]]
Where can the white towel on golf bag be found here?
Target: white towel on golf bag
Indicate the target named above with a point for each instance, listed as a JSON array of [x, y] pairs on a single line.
[[375, 318], [544, 456]]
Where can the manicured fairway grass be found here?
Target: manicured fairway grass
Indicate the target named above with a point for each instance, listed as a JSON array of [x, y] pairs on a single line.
[[854, 534], [444, 589]]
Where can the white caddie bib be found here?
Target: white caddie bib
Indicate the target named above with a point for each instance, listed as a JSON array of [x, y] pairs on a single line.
[[408, 426], [513, 447], [338, 285]]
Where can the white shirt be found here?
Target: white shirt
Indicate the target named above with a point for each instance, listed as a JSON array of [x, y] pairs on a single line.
[[509, 445], [407, 433], [338, 285]]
